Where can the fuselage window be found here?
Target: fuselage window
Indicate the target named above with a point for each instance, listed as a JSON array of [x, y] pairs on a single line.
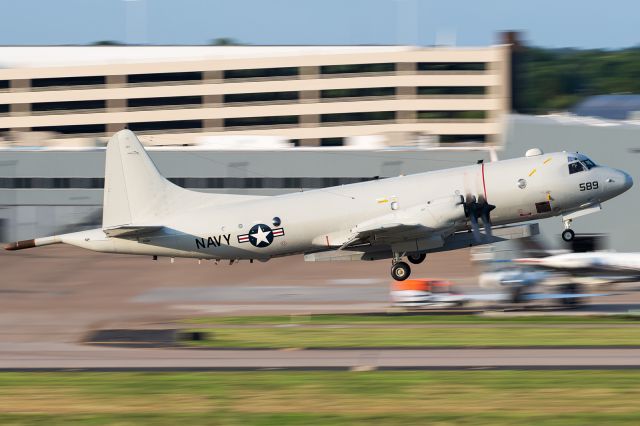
[[576, 167], [590, 164]]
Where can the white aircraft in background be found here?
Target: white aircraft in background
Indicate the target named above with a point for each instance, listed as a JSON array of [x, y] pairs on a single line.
[[596, 267], [405, 216]]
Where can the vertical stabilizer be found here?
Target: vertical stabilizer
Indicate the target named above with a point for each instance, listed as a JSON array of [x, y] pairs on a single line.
[[134, 190], [136, 194]]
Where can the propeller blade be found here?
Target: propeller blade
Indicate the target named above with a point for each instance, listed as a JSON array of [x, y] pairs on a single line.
[[486, 218], [475, 229]]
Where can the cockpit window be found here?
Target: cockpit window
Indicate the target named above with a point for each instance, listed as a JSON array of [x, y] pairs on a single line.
[[590, 164], [576, 167]]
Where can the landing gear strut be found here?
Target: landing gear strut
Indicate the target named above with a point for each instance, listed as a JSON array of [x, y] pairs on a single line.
[[568, 233], [416, 258]]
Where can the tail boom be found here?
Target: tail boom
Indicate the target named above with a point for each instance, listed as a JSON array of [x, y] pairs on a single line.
[[36, 242]]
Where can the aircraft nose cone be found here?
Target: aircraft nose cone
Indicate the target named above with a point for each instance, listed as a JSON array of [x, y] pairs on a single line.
[[619, 182], [628, 181]]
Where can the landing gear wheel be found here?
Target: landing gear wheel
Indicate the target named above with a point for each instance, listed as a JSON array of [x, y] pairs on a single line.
[[416, 258], [400, 271], [568, 235]]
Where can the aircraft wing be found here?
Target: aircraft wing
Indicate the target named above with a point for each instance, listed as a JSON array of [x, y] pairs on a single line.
[[131, 231], [385, 233]]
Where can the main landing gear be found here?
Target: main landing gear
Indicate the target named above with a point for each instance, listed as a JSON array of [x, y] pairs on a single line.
[[400, 270], [568, 234], [416, 258]]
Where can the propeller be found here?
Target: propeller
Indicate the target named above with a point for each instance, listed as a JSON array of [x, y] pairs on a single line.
[[478, 208]]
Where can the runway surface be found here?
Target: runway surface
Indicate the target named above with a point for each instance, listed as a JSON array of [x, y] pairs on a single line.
[[34, 356], [51, 297]]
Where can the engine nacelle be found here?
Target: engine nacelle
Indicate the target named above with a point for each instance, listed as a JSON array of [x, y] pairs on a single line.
[[442, 213]]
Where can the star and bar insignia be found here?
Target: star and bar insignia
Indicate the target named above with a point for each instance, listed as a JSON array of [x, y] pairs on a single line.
[[261, 235]]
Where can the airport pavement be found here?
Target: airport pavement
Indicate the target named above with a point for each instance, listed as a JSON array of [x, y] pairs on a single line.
[[58, 293], [62, 356], [51, 297]]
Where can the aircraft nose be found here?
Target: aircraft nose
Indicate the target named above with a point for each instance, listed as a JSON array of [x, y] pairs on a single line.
[[628, 181], [619, 181]]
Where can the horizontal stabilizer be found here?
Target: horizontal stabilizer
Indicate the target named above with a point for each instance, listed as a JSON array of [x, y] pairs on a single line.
[[131, 231]]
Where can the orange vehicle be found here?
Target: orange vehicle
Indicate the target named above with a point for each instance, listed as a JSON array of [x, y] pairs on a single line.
[[424, 292]]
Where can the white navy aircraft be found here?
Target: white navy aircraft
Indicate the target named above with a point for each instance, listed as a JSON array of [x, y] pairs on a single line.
[[404, 216]]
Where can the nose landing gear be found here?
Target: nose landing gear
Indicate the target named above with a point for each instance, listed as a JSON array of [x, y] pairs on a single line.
[[568, 234]]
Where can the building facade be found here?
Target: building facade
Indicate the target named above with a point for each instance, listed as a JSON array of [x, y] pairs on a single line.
[[311, 95]]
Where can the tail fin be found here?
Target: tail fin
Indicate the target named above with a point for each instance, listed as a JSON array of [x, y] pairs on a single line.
[[135, 193], [133, 187]]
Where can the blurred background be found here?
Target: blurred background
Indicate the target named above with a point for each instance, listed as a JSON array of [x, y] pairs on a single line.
[[256, 97], [266, 100]]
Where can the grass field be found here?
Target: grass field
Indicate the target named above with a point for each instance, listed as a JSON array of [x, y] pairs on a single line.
[[331, 331], [319, 398]]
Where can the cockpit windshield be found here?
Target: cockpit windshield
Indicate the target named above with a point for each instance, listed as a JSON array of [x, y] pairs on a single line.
[[576, 167], [580, 164]]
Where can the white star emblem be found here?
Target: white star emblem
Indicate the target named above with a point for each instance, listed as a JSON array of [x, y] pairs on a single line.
[[261, 236]]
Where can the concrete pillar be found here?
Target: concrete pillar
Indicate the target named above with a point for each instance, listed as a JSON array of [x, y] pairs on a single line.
[[213, 76], [406, 117], [116, 105], [22, 109], [406, 68], [17, 110], [309, 96], [20, 85], [406, 92], [116, 81], [310, 72], [310, 120], [213, 125], [114, 127], [209, 101]]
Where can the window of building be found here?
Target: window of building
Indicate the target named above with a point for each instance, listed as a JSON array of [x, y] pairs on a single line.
[[174, 100], [4, 109], [260, 121], [357, 68], [68, 81], [332, 142], [261, 73], [460, 90], [358, 116], [261, 97], [452, 66], [72, 130], [72, 105], [357, 93], [452, 115], [4, 84], [165, 125], [163, 77], [462, 138], [185, 182]]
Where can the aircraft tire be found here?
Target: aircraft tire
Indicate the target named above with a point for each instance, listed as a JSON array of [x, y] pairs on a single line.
[[400, 271], [417, 258], [568, 235]]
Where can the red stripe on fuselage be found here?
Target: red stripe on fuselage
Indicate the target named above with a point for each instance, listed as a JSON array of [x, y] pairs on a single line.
[[484, 185]]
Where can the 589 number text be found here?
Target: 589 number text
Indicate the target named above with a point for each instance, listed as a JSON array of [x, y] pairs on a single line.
[[588, 186]]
